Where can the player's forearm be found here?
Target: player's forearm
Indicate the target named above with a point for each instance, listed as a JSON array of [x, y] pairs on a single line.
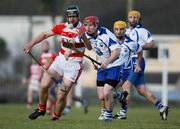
[[114, 56], [38, 39], [86, 42], [139, 58], [148, 46]]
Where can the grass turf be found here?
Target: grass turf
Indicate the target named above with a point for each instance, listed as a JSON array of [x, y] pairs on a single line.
[[15, 116]]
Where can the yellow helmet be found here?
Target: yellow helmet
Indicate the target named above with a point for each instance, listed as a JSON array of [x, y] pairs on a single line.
[[119, 24], [134, 13]]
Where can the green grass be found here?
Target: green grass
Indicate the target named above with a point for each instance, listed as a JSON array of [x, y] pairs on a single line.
[[14, 116]]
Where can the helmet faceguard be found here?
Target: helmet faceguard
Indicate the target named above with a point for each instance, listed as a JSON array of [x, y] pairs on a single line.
[[72, 11]]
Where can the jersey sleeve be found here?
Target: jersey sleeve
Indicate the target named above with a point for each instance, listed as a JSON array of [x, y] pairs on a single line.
[[113, 44], [53, 56], [146, 36], [57, 29]]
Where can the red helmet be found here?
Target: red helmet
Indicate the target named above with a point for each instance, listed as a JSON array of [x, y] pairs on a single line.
[[91, 19]]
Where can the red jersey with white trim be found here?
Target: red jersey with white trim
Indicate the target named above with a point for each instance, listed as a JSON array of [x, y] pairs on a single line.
[[46, 59], [36, 72], [66, 33]]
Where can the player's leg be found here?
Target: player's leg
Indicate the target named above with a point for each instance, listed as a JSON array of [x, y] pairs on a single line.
[[80, 99], [29, 98], [109, 101], [112, 79], [70, 77], [100, 87], [130, 78], [33, 87], [143, 91], [61, 98], [50, 105], [122, 114], [102, 102], [46, 82], [69, 101]]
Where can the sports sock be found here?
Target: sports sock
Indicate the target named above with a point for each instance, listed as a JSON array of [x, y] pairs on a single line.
[[158, 105], [41, 107]]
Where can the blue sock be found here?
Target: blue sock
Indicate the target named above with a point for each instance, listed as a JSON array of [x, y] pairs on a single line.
[[108, 114], [124, 109], [118, 95], [158, 104]]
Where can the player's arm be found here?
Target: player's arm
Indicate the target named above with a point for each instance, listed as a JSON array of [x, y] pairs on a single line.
[[112, 58], [138, 65], [148, 46], [147, 39], [84, 39], [86, 42], [137, 49], [37, 39]]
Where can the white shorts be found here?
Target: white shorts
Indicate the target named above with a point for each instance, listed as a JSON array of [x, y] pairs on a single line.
[[34, 85], [69, 69]]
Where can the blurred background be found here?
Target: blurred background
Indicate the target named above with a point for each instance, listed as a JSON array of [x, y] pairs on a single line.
[[21, 20]]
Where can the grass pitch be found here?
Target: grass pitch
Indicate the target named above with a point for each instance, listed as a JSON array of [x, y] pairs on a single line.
[[14, 116]]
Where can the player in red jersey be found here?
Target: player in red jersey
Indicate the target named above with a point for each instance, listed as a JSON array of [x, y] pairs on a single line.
[[46, 59], [34, 82], [68, 64]]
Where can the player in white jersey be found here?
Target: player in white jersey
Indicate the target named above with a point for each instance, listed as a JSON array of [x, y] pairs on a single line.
[[107, 49], [34, 82], [127, 45], [67, 66], [138, 33]]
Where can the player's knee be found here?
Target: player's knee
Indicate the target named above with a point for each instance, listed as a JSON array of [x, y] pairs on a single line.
[[101, 96], [44, 88], [127, 88], [142, 91], [107, 94]]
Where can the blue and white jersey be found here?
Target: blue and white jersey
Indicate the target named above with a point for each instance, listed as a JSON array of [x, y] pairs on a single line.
[[103, 44], [128, 46], [139, 34]]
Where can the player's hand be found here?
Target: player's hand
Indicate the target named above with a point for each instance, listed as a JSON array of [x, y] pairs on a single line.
[[137, 69], [81, 31], [104, 65], [72, 41], [27, 48]]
